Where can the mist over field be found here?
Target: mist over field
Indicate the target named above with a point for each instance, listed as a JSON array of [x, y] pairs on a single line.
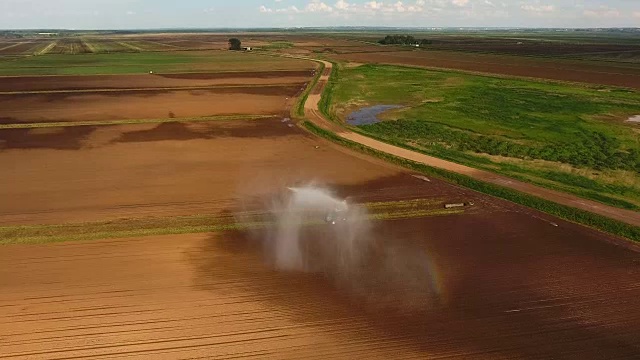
[[311, 230]]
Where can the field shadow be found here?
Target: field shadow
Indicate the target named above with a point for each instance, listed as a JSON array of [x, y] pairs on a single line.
[[239, 75], [490, 271], [8, 120], [59, 138], [183, 131]]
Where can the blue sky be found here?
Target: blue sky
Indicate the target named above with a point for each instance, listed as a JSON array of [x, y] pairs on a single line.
[[125, 14]]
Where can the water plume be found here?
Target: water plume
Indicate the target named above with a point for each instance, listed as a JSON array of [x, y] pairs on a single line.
[[310, 229], [316, 231]]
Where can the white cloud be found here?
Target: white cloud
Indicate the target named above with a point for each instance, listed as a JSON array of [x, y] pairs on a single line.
[[460, 3], [317, 6], [312, 7], [602, 12], [374, 5], [342, 5], [399, 7], [416, 12], [538, 8], [290, 10]]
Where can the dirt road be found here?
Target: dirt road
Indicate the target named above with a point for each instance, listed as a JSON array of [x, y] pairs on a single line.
[[312, 112]]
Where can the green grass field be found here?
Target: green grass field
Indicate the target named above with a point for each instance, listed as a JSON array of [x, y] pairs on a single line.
[[567, 137], [143, 62]]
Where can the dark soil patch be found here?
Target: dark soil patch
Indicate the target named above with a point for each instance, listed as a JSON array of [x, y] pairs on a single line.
[[182, 131], [67, 138], [92, 82], [236, 75]]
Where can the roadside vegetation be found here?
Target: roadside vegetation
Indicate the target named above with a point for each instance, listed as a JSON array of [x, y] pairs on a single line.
[[298, 109], [565, 137]]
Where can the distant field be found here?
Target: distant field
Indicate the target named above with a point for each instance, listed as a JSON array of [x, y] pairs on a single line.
[[593, 72], [609, 46], [569, 138], [23, 47], [159, 62]]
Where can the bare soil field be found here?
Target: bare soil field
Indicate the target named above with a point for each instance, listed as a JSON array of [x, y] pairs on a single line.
[[503, 285], [158, 169], [80, 82], [71, 46], [18, 48], [496, 281], [518, 47], [145, 104], [504, 65]]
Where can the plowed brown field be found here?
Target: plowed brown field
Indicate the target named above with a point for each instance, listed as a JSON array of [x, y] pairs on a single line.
[[145, 104], [158, 169], [44, 83], [505, 65], [497, 281], [18, 48], [505, 286]]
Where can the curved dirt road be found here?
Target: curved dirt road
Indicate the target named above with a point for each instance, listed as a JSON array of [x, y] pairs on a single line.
[[312, 113]]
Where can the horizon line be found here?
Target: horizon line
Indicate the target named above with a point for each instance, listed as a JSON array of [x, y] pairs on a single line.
[[335, 27]]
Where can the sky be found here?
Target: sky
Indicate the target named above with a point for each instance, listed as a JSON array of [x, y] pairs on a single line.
[[149, 14]]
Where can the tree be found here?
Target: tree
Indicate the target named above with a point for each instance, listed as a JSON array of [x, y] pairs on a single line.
[[235, 44], [403, 40]]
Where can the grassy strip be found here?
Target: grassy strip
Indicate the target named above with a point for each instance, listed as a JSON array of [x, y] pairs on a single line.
[[129, 46], [134, 121], [403, 204], [46, 49], [327, 95], [565, 212], [40, 234], [298, 108], [414, 214]]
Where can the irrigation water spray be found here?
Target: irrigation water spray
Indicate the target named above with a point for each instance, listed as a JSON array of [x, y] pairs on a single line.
[[310, 229], [316, 231]]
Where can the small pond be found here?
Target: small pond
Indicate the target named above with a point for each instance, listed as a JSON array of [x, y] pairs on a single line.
[[634, 119], [369, 115]]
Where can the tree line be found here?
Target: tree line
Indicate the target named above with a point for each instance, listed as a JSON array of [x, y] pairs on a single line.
[[403, 40]]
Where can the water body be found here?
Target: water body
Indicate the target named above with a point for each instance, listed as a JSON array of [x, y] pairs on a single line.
[[634, 119], [368, 115]]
